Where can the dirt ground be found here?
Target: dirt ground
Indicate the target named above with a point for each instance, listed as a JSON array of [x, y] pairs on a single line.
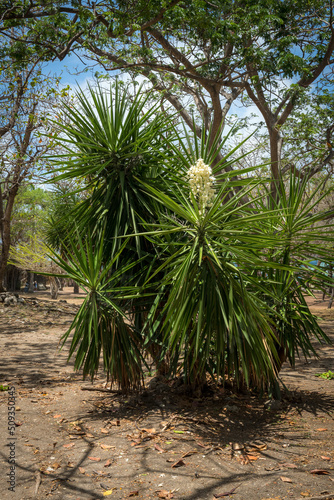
[[70, 442]]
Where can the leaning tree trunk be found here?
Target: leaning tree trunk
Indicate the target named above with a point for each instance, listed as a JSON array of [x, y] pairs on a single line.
[[53, 288]]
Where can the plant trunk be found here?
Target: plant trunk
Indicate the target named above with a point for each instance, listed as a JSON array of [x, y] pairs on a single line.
[[275, 162], [5, 233]]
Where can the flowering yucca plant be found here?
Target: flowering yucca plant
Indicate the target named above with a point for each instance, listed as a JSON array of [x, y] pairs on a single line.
[[203, 269], [201, 183], [210, 321]]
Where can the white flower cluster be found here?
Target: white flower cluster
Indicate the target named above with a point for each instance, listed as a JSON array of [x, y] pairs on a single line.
[[201, 183]]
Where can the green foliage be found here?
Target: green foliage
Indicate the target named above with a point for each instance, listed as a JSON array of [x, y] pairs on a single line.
[[102, 324], [30, 209], [216, 290], [326, 375], [305, 233]]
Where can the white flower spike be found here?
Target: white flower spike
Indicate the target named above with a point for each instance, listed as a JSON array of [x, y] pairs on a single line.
[[201, 183]]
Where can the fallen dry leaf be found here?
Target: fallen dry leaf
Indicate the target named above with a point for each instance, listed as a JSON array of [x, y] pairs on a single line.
[[322, 429], [286, 479], [202, 445], [260, 447], [56, 416], [70, 445], [104, 431], [189, 453], [252, 457], [179, 463], [167, 495], [108, 492], [319, 472], [325, 458], [226, 493], [82, 470], [107, 446], [237, 446], [95, 459], [158, 447], [134, 493], [289, 466], [108, 463]]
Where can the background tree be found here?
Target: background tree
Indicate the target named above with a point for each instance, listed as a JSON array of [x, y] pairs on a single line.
[[23, 145], [209, 53], [33, 256]]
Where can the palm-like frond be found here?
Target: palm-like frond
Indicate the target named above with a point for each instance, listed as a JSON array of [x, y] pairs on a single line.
[[102, 324]]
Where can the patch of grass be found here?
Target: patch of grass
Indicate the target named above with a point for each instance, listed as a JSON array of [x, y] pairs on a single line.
[[326, 375], [4, 387]]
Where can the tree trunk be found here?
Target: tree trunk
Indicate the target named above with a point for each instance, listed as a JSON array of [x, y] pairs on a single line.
[[5, 233], [75, 288], [275, 163], [53, 288], [31, 281]]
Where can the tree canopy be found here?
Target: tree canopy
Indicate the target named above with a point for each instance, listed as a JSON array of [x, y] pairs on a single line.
[[200, 53]]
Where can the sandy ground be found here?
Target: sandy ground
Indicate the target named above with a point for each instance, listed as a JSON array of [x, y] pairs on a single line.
[[72, 443]]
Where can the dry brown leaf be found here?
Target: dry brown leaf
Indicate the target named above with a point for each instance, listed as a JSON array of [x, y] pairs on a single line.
[[289, 466], [167, 495], [135, 443], [319, 472], [325, 458], [107, 446], [149, 431], [260, 447], [134, 493], [252, 457], [82, 470], [104, 431], [95, 459], [70, 445], [322, 429], [158, 447], [226, 493], [108, 463], [179, 463], [89, 435], [189, 453], [202, 445], [276, 498], [286, 479], [237, 446], [56, 416], [305, 494]]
